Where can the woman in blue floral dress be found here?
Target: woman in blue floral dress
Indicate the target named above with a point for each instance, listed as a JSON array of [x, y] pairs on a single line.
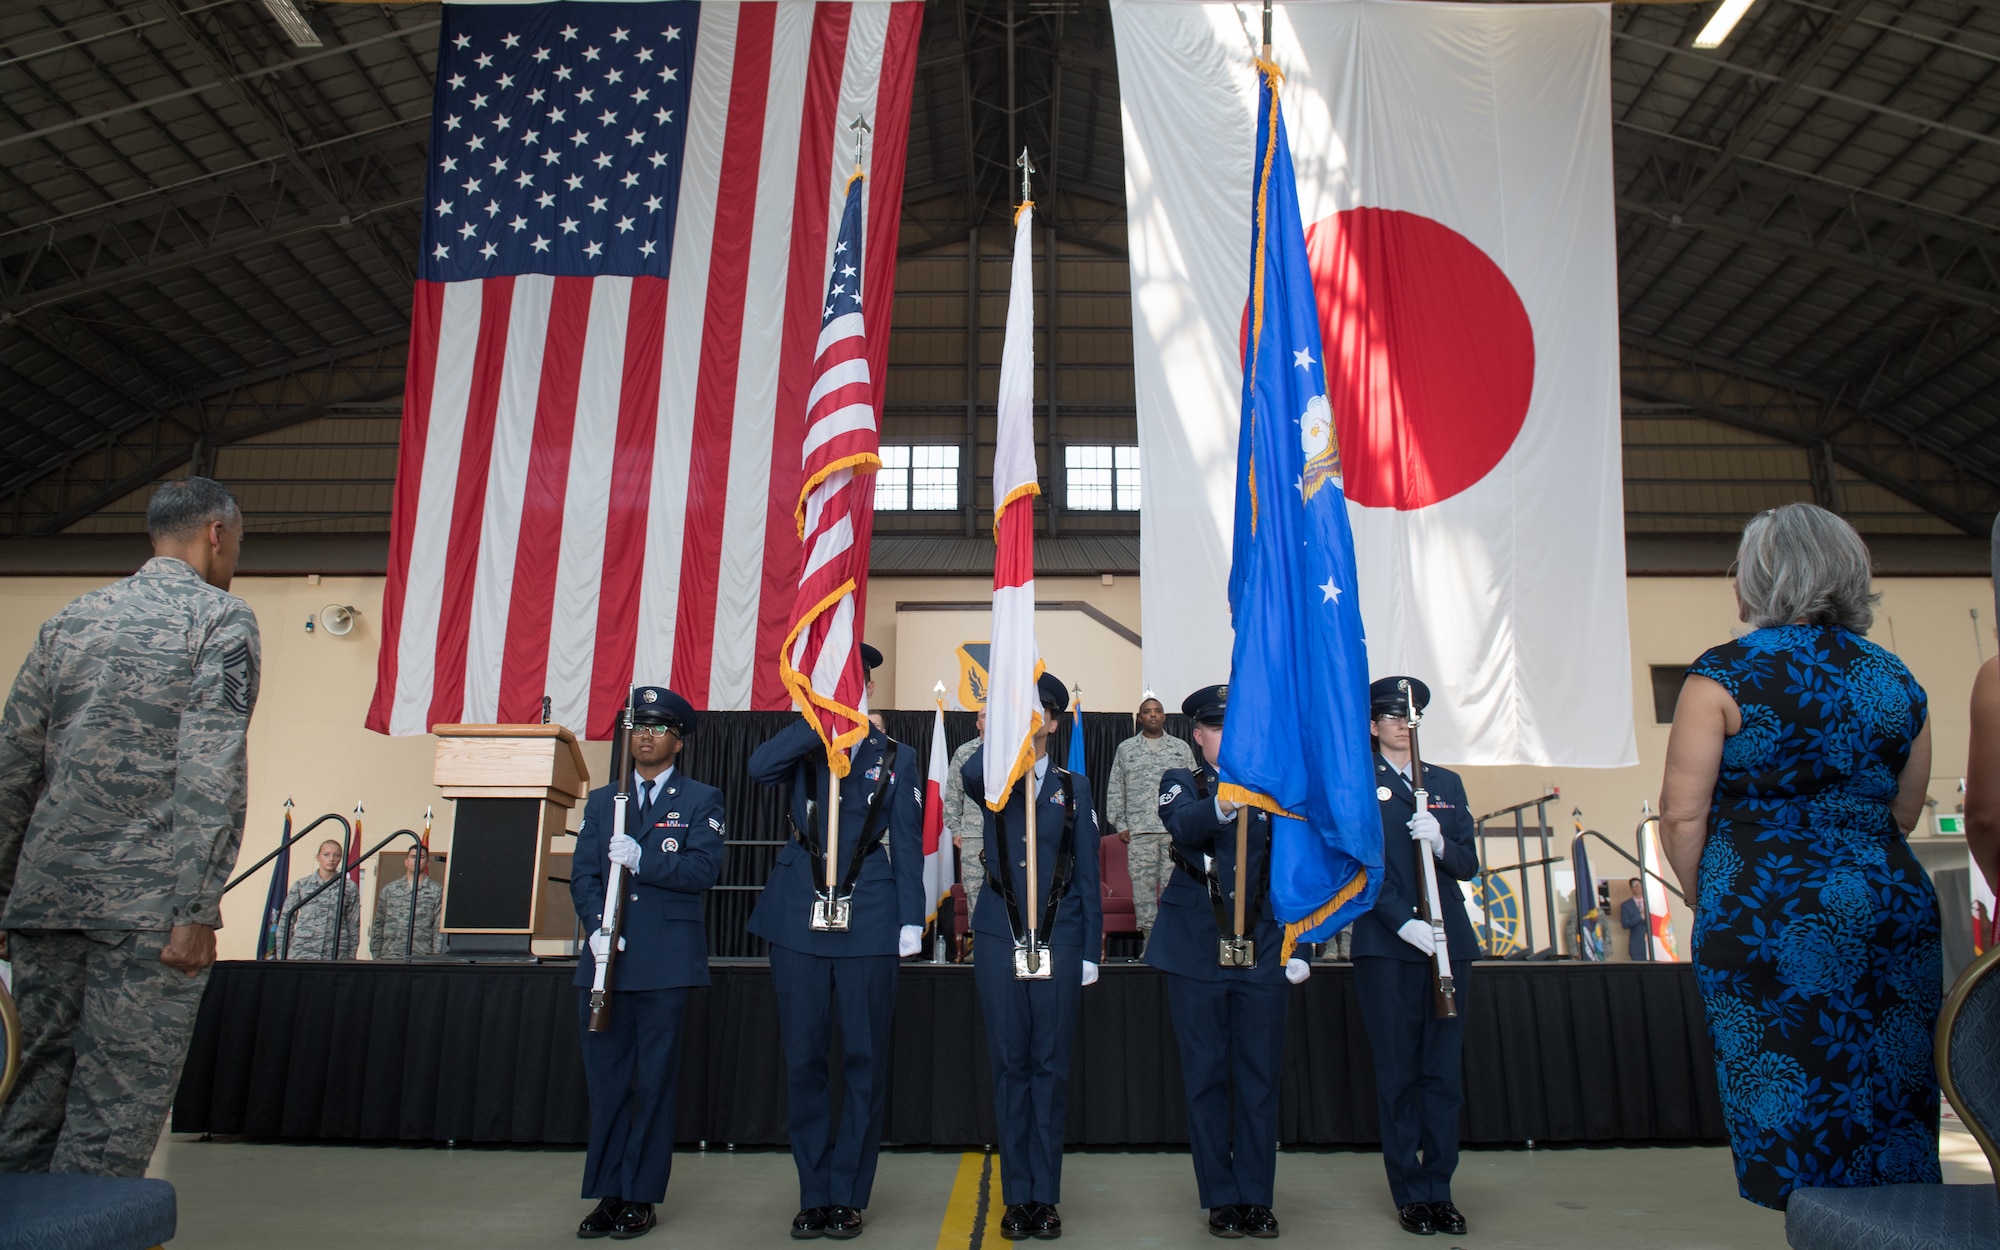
[[1798, 760]]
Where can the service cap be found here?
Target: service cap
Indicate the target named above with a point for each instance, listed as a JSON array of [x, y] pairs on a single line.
[[1052, 692], [871, 659], [657, 705], [1207, 706], [1385, 697]]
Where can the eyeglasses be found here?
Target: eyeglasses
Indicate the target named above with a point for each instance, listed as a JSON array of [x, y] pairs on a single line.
[[655, 731]]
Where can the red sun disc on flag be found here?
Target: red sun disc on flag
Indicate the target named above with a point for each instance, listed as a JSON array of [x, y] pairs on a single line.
[[1430, 358]]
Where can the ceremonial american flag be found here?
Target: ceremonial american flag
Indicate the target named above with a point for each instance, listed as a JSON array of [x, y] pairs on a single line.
[[821, 662], [628, 214]]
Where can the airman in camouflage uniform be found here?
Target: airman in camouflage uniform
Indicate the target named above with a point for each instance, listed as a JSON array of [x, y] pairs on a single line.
[[1132, 801], [320, 911], [123, 782], [389, 932], [968, 827]]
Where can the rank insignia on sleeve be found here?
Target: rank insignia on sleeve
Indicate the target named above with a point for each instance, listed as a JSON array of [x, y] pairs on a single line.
[[715, 824], [1171, 795]]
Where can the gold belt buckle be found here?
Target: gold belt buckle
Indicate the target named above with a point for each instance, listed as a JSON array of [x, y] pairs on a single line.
[[831, 915], [1238, 952], [1032, 963]]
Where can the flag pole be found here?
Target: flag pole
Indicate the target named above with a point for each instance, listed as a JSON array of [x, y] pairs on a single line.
[[1267, 29], [1028, 783]]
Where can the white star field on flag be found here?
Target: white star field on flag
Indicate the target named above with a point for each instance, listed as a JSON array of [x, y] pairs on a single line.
[[557, 149]]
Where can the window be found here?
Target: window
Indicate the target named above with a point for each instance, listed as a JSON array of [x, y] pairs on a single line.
[[1101, 479], [917, 479], [1667, 679]]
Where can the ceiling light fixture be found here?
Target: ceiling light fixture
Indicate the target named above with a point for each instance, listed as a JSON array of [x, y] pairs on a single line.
[[286, 14], [1719, 25]]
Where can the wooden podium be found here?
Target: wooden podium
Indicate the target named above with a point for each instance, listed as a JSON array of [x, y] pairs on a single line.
[[513, 786]]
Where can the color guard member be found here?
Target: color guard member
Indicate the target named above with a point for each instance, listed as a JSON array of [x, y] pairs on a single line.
[[1228, 1019], [839, 953], [672, 851], [1418, 1080], [1030, 996]]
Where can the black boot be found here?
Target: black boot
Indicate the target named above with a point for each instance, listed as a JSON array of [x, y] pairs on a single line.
[[599, 1222], [636, 1220]]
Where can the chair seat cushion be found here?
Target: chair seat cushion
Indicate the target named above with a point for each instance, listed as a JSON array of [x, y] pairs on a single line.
[[1894, 1217], [61, 1211]]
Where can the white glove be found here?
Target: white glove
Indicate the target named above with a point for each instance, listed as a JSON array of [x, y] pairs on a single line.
[[625, 851], [909, 940], [1297, 970], [1418, 934], [1424, 829], [1089, 973], [600, 942]]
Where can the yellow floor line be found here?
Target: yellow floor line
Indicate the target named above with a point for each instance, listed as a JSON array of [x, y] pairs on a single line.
[[964, 1226]]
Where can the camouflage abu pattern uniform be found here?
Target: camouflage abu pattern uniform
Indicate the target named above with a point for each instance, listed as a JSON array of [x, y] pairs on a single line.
[[389, 932], [962, 817], [1132, 802], [311, 935], [123, 782]]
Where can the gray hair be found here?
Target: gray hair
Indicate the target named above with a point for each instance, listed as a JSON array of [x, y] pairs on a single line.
[[186, 505], [1803, 563]]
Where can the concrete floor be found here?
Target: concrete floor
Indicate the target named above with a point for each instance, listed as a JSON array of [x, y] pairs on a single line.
[[242, 1194]]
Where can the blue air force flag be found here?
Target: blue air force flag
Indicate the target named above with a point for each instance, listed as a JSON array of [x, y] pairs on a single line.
[[1297, 740]]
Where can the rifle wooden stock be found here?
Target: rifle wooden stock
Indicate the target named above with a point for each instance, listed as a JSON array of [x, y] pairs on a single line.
[[1428, 906]]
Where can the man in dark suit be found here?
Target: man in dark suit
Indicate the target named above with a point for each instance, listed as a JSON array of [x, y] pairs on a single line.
[[1638, 925], [671, 850], [1031, 1012], [1418, 1079], [817, 972], [1227, 1019]]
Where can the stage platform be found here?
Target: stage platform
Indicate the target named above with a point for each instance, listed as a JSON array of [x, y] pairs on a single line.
[[488, 1053]]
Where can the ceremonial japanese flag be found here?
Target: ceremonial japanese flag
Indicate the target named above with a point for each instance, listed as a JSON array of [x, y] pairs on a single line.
[[937, 845], [1014, 662], [1453, 168]]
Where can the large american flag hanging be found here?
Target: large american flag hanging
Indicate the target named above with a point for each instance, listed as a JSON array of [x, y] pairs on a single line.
[[629, 211], [821, 662]]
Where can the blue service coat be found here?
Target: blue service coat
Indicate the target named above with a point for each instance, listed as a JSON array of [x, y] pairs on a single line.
[[1375, 929], [1079, 919], [890, 890], [681, 840], [1185, 940]]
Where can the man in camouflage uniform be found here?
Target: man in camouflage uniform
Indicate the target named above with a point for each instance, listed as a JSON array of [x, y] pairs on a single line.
[[123, 781], [968, 827], [389, 932], [314, 909], [1132, 802]]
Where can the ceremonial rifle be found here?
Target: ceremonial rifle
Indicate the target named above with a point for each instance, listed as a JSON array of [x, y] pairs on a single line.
[[612, 924], [1427, 902]]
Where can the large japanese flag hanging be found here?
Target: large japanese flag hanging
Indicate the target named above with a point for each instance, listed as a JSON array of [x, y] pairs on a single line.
[[1454, 177], [629, 215]]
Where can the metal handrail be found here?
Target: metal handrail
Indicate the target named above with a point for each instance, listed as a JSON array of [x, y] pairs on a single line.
[[1521, 865], [345, 828], [340, 911], [1639, 834]]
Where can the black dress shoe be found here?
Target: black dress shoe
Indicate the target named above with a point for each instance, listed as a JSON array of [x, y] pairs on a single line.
[[1018, 1222], [1447, 1218], [809, 1223], [1416, 1218], [1225, 1221], [1047, 1225], [1258, 1221], [842, 1223], [635, 1220], [599, 1222]]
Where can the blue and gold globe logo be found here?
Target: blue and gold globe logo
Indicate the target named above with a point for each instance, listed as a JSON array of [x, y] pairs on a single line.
[[1494, 897]]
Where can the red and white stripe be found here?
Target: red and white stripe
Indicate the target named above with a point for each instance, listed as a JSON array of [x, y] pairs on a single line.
[[937, 846], [1014, 661], [598, 475]]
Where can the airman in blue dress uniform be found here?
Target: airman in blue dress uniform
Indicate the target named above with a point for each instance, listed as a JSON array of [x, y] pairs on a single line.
[[816, 972], [1418, 1078], [672, 850], [1030, 1020], [1228, 1020]]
